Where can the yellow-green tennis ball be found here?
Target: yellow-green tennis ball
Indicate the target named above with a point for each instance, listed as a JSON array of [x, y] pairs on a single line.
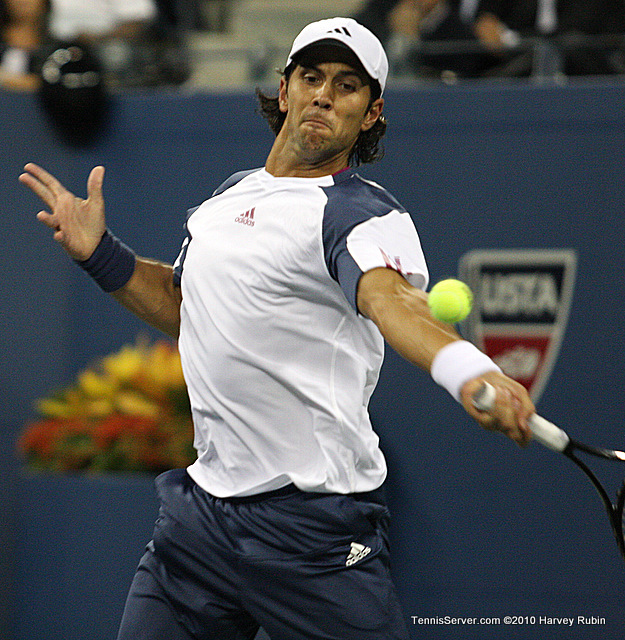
[[450, 300]]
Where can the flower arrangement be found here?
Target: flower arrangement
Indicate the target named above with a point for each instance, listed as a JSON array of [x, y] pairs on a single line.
[[128, 412]]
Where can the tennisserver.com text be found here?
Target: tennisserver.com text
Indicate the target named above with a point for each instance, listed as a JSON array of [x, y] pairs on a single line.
[[554, 621]]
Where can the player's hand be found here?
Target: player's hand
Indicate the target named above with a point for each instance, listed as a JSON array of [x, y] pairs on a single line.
[[78, 224], [511, 411]]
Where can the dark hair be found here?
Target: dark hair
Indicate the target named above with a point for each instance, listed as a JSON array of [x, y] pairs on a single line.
[[368, 147]]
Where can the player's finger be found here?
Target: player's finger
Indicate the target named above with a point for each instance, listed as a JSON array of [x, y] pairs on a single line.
[[38, 188], [44, 177], [524, 408], [507, 416], [505, 409], [94, 184], [48, 219], [511, 418], [519, 435], [525, 430]]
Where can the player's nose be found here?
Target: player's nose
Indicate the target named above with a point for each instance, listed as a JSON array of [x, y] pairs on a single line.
[[323, 96]]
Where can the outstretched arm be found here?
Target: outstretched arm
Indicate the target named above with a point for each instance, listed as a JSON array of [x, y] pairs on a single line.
[[401, 313], [79, 226], [152, 296]]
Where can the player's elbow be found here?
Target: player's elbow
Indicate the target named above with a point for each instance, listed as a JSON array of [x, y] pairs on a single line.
[[382, 290]]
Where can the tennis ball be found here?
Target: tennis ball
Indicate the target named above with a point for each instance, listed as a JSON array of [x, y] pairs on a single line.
[[450, 300]]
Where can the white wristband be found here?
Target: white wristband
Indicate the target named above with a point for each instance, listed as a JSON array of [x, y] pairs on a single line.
[[457, 363]]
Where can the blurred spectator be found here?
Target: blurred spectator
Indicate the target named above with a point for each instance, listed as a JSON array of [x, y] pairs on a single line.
[[506, 28], [133, 44], [95, 21], [22, 34], [411, 30]]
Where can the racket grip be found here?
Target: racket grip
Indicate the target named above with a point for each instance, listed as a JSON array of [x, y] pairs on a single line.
[[543, 431], [548, 434]]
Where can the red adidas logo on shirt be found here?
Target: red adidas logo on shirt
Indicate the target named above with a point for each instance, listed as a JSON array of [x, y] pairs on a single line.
[[246, 218]]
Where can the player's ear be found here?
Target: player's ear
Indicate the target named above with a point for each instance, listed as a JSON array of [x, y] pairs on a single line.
[[283, 102], [371, 117]]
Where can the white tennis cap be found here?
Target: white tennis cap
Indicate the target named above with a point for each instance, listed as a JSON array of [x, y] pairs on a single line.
[[367, 48]]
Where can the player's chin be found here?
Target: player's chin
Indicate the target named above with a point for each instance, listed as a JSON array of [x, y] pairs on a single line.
[[315, 145], [313, 137]]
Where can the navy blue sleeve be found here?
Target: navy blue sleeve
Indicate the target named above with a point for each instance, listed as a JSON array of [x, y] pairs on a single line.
[[348, 275], [179, 264], [351, 201]]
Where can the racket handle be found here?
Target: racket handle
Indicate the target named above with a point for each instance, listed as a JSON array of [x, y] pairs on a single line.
[[548, 434], [543, 431]]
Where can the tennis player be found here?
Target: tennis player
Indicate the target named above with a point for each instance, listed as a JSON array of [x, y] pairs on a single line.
[[289, 280]]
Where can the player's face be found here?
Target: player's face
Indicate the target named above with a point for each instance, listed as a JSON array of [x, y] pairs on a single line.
[[326, 106]]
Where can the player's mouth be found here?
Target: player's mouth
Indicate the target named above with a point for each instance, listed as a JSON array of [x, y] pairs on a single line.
[[317, 122]]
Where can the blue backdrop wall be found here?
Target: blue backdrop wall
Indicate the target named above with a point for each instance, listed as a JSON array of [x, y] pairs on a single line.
[[480, 528]]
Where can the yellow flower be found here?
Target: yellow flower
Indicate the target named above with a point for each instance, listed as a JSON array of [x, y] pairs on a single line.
[[125, 364], [176, 375], [51, 408], [163, 366], [99, 408], [95, 385], [135, 405]]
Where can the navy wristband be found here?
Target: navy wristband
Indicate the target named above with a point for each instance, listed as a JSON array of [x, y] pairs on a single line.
[[112, 263]]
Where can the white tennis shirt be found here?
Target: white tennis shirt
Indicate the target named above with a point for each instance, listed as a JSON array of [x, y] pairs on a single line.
[[279, 365]]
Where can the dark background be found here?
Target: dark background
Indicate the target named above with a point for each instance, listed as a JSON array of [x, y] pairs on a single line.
[[481, 528]]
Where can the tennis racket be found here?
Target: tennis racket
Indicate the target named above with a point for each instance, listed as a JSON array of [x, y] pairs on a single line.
[[554, 438]]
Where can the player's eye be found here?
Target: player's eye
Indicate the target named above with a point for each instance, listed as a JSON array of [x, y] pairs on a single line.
[[349, 84], [310, 77]]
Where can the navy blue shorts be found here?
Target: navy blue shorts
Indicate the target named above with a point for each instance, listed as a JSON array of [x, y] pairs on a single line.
[[304, 566]]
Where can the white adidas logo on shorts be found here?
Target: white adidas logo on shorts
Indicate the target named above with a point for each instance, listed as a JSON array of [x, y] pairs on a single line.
[[357, 552]]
